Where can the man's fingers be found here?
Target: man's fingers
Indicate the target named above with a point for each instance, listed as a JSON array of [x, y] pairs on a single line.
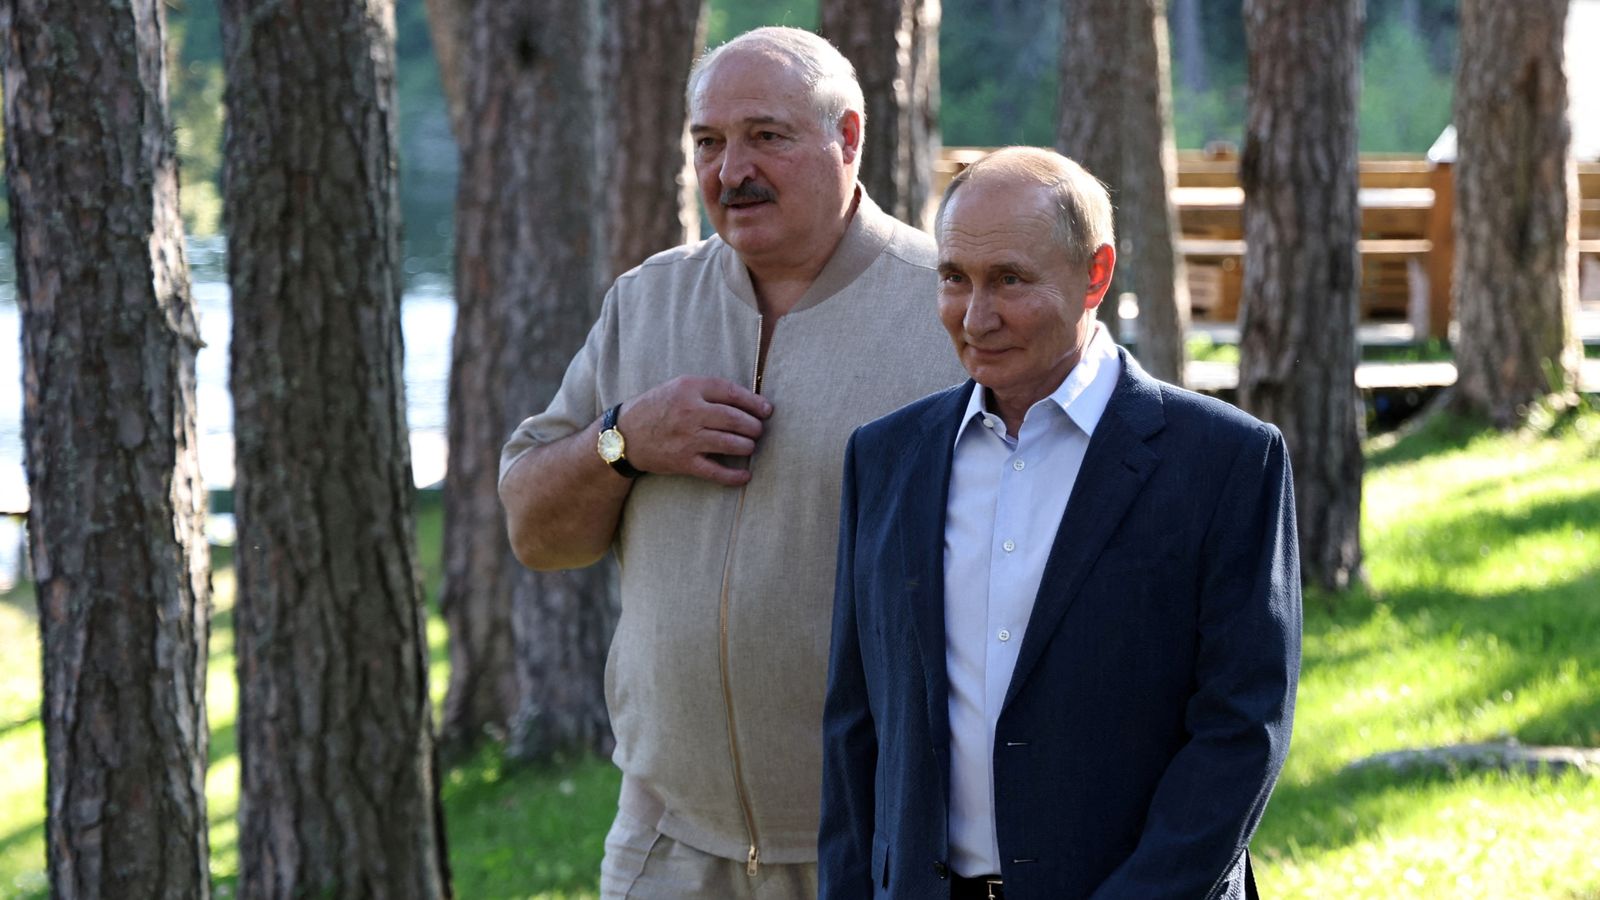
[[720, 390], [706, 468], [726, 443], [721, 417]]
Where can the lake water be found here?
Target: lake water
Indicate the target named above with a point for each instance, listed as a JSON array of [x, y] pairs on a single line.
[[427, 320]]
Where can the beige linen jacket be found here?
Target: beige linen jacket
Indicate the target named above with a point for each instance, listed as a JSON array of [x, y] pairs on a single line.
[[716, 674]]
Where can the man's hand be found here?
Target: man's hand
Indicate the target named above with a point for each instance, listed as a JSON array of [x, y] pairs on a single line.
[[682, 426]]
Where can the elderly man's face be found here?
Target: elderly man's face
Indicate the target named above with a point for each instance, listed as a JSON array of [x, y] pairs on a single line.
[[775, 182], [1016, 307]]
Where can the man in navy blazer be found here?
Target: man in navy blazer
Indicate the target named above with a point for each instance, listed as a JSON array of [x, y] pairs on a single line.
[[1066, 635]]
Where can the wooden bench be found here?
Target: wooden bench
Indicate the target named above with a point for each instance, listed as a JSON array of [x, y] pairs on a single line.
[[1216, 275]]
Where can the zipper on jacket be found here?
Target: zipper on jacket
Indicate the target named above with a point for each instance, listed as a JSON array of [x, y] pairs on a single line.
[[753, 858]]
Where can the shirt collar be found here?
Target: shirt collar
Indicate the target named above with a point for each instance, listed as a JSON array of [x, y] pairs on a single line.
[[1083, 395]]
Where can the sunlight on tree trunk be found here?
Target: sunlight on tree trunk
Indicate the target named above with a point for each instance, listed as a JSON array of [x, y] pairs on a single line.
[[1516, 215], [109, 337], [1298, 347]]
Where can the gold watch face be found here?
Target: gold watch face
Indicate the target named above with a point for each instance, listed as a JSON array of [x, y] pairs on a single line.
[[611, 445]]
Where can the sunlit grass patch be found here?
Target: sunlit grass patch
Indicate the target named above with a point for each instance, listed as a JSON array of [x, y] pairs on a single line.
[[1481, 623]]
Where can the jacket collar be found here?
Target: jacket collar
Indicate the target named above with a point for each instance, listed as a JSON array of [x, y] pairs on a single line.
[[1115, 467]]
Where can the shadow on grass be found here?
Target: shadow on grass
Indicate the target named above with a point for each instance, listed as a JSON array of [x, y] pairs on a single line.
[[1444, 432], [559, 816]]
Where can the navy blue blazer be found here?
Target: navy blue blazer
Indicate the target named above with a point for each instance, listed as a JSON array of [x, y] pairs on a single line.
[[1150, 708]]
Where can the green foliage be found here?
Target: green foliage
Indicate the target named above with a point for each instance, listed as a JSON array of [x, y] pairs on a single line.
[[1203, 347], [998, 73], [727, 19], [195, 85], [1405, 98]]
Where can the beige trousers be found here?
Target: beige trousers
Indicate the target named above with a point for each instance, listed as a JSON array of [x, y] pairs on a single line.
[[643, 864]]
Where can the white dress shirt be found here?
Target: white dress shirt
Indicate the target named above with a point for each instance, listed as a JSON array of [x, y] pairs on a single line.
[[1007, 496]]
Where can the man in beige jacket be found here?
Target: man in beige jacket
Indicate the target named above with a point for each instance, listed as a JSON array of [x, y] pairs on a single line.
[[699, 433]]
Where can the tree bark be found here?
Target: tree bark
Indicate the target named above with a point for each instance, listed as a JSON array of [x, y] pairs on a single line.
[[1089, 122], [450, 29], [650, 45], [339, 793], [115, 527], [1154, 270], [1116, 119], [894, 46], [1298, 347], [474, 597], [1516, 214], [530, 257]]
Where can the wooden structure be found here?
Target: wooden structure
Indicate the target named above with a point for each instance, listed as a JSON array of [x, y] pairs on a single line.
[[1407, 241]]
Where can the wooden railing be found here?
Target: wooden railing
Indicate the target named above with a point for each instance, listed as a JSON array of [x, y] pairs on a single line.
[[1407, 242]]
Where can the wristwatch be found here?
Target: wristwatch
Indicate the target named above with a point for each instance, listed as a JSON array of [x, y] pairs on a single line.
[[613, 448]]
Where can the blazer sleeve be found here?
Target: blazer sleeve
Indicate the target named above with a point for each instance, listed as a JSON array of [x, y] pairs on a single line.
[[850, 740], [1211, 797]]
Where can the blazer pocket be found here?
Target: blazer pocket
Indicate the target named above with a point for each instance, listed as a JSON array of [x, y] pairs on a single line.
[[880, 862]]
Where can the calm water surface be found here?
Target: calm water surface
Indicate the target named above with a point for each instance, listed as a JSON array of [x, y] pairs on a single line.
[[428, 320]]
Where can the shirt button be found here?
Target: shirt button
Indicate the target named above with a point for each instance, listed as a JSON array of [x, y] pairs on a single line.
[[988, 422], [1019, 465], [1004, 635], [1010, 546]]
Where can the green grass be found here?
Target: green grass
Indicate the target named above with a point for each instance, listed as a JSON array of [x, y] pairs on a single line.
[[1481, 622]]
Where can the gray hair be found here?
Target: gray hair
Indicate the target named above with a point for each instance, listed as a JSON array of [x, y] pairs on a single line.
[[831, 77], [1083, 206]]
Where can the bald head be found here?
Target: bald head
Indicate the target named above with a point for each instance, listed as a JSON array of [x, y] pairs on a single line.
[[829, 77], [1082, 206]]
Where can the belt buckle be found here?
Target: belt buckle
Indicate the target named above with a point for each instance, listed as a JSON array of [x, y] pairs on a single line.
[[992, 885]]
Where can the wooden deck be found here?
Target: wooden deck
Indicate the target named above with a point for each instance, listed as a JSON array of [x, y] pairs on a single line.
[[1213, 377]]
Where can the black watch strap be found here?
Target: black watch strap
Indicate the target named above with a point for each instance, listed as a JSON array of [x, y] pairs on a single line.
[[620, 465]]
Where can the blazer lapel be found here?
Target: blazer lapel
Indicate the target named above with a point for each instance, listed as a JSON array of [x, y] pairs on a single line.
[[1115, 468], [923, 482]]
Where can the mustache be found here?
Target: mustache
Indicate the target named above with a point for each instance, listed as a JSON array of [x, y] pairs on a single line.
[[746, 193]]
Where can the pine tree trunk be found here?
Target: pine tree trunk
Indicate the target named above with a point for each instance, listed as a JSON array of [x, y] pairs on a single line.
[[650, 45], [115, 526], [894, 46], [1115, 117], [1089, 125], [339, 793], [1516, 216], [530, 253], [1148, 224], [482, 694], [1298, 346]]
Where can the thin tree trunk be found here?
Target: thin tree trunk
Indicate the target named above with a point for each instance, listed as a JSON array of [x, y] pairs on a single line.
[[115, 526], [1115, 117], [450, 30], [650, 45], [1298, 347], [1089, 126], [1154, 271], [530, 253], [474, 597], [339, 793], [894, 46], [1516, 215]]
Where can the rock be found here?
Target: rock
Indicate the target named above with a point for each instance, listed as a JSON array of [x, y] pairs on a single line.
[[1506, 756]]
